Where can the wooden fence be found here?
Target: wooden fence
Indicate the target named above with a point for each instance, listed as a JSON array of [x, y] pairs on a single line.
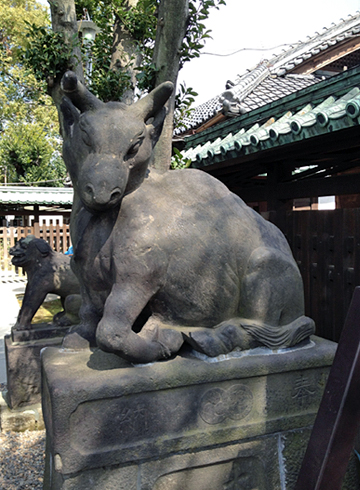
[[58, 237]]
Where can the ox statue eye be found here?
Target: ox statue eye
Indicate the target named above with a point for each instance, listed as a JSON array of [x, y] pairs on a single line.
[[86, 138], [134, 148]]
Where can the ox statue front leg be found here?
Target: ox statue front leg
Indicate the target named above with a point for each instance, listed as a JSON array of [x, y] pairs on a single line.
[[114, 332], [83, 335]]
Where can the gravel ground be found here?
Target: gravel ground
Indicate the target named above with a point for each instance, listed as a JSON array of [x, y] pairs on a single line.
[[22, 457]]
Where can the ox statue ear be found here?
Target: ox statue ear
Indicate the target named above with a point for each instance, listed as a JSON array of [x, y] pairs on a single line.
[[153, 103], [155, 125], [69, 115], [152, 109]]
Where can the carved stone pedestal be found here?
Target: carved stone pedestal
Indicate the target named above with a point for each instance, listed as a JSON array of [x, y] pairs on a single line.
[[23, 365], [182, 424]]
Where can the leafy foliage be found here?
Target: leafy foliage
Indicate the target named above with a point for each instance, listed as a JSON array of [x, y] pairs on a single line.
[[14, 15], [178, 161], [183, 105], [47, 53], [140, 21], [30, 155], [197, 33], [16, 84], [29, 133]]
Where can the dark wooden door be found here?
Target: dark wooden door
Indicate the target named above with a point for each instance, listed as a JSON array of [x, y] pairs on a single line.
[[326, 246]]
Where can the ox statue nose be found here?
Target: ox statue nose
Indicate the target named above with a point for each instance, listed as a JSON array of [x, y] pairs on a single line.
[[100, 197], [103, 181]]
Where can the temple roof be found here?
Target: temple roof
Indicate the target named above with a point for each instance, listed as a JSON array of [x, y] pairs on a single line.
[[329, 106], [304, 64]]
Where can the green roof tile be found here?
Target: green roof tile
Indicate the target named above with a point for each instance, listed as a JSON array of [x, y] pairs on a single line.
[[36, 195]]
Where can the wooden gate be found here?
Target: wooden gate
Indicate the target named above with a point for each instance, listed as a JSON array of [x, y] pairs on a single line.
[[326, 246]]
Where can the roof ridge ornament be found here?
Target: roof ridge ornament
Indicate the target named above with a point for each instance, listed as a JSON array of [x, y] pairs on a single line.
[[231, 99]]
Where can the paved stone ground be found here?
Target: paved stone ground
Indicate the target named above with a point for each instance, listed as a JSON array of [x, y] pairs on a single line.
[[22, 460]]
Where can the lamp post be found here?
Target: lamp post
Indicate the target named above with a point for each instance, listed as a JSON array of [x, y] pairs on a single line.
[[88, 29]]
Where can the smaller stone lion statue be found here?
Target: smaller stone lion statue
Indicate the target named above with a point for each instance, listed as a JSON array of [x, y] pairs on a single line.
[[47, 272]]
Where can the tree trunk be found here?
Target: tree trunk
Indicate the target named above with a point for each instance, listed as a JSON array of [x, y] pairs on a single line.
[[63, 19], [125, 53], [171, 29]]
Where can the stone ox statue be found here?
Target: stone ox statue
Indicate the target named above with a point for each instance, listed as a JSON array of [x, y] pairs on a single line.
[[164, 258]]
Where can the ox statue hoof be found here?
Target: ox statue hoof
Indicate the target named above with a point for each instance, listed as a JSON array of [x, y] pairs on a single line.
[[168, 340], [78, 338], [74, 341]]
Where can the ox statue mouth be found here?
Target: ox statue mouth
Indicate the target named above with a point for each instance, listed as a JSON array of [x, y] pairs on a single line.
[[96, 208]]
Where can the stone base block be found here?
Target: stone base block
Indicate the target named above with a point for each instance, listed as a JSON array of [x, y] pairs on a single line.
[[23, 366], [182, 424], [20, 419]]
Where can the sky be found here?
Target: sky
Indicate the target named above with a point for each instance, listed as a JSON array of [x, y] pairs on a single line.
[[254, 25]]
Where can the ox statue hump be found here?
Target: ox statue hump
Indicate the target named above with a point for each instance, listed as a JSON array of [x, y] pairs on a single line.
[[172, 257]]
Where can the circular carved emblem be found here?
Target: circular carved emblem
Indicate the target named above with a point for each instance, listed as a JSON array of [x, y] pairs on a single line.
[[234, 403], [240, 400], [213, 406]]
